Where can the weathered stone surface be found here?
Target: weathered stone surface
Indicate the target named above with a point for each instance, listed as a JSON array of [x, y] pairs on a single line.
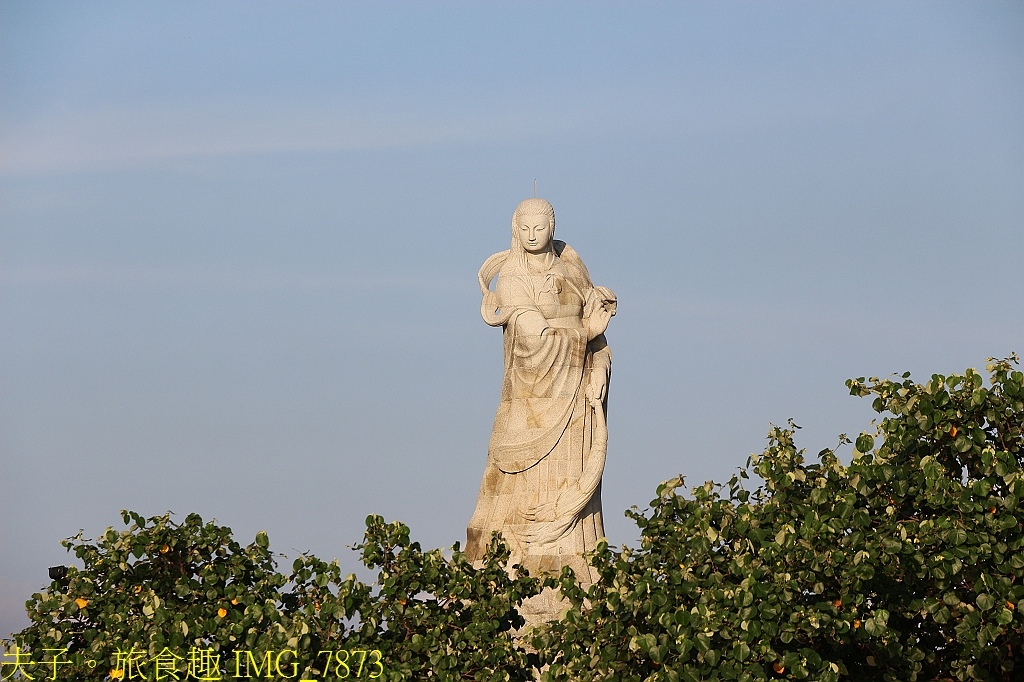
[[542, 481]]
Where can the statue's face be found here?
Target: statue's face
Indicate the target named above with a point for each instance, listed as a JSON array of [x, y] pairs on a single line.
[[535, 233]]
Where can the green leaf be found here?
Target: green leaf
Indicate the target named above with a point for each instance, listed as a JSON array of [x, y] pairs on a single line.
[[956, 536], [865, 443]]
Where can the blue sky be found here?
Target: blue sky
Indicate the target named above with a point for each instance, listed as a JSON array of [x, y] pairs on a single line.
[[239, 242]]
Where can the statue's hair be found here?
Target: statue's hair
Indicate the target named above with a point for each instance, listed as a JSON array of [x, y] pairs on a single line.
[[533, 206]]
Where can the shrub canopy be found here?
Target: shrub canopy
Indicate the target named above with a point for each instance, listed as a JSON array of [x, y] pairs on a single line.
[[905, 564]]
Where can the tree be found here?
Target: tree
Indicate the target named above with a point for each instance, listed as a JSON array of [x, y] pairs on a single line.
[[159, 596], [907, 564]]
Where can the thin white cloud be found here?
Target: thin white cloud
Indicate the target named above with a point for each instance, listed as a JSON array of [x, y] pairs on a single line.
[[219, 278], [81, 140], [74, 141], [118, 138]]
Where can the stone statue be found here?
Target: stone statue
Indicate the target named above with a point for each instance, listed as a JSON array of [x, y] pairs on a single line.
[[542, 482]]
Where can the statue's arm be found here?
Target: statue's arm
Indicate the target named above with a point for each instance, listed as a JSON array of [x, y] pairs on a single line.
[[600, 369], [602, 355], [599, 309], [514, 295]]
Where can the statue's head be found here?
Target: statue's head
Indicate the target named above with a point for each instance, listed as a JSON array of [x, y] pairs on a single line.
[[533, 226]]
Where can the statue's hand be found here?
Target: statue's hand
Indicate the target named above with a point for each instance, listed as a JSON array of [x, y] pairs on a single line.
[[597, 323], [606, 297], [597, 388], [546, 511]]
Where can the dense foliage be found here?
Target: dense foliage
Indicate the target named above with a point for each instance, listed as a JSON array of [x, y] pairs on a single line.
[[905, 564], [160, 597]]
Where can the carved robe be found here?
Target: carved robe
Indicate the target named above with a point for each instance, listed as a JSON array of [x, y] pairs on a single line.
[[541, 485]]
